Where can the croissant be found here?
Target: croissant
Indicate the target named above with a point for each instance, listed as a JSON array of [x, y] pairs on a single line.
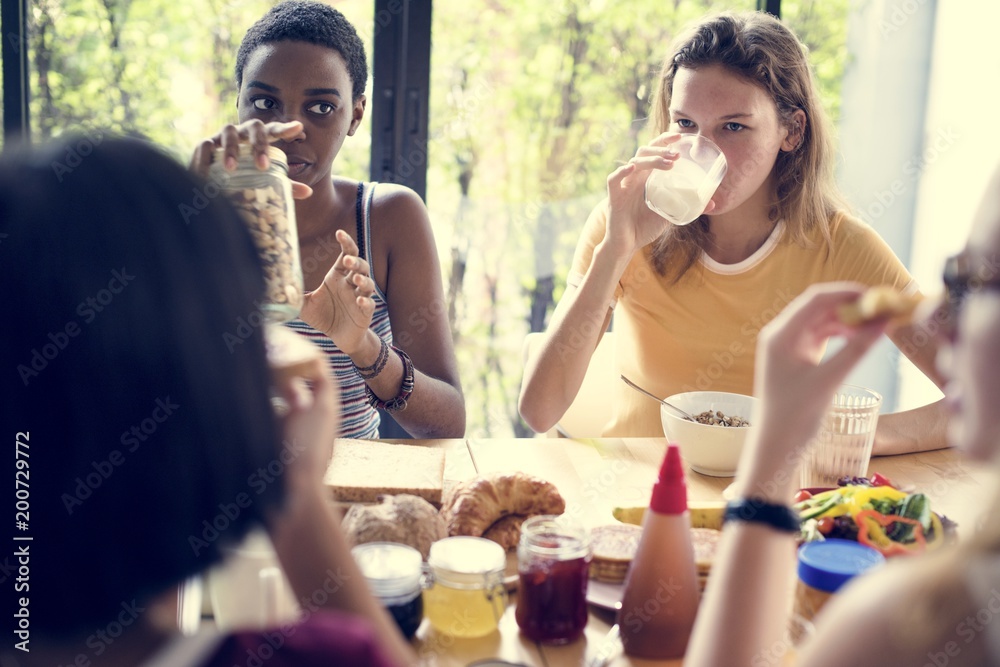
[[506, 531], [474, 505]]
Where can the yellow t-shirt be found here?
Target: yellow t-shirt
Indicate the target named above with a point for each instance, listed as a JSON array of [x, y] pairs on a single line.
[[701, 333]]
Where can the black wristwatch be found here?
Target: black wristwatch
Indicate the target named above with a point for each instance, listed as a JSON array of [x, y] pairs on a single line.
[[757, 510]]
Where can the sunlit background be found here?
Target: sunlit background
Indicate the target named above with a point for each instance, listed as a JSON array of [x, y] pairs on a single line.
[[534, 103]]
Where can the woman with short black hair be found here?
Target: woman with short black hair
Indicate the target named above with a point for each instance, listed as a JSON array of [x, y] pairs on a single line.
[[374, 296]]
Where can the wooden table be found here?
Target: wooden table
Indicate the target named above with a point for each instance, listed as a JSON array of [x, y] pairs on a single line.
[[596, 475]]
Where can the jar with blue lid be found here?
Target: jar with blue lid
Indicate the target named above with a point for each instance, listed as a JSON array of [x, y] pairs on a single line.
[[824, 567]]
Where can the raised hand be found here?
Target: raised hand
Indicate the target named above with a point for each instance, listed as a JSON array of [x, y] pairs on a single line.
[[254, 132], [310, 424], [793, 382], [631, 225], [342, 306]]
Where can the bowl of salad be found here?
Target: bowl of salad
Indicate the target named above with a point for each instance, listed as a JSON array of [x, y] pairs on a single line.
[[875, 513]]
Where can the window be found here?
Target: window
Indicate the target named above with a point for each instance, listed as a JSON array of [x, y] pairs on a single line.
[[533, 104], [159, 68]]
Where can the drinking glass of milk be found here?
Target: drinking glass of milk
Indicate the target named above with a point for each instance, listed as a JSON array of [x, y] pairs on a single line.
[[681, 193]]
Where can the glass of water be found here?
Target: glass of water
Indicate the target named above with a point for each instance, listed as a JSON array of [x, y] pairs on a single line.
[[843, 446]]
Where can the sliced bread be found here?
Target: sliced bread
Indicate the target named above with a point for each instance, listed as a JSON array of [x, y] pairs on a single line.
[[362, 470]]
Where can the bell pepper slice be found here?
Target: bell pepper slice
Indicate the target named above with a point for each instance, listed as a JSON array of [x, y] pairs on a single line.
[[865, 494], [854, 500], [871, 531], [857, 497], [878, 479]]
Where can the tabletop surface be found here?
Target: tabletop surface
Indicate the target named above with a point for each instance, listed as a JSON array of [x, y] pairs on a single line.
[[596, 475]]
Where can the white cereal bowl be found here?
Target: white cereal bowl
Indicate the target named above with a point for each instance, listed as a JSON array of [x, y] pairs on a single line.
[[709, 450]]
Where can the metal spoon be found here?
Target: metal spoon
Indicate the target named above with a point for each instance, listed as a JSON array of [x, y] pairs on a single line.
[[657, 398]]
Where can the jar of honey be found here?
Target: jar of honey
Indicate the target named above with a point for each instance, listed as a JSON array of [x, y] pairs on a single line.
[[464, 592], [553, 559], [824, 567], [394, 574]]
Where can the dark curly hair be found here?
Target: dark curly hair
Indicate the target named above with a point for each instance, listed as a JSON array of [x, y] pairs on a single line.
[[313, 23]]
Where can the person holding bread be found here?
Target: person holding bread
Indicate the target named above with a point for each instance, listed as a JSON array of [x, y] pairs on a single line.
[[370, 265], [937, 609], [691, 300], [143, 429]]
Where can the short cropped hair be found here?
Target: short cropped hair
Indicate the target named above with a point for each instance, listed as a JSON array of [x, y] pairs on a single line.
[[143, 423], [314, 23]]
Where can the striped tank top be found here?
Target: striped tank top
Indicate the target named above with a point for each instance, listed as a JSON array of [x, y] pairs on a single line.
[[358, 419]]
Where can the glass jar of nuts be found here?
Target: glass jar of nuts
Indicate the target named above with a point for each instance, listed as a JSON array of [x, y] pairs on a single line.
[[264, 201]]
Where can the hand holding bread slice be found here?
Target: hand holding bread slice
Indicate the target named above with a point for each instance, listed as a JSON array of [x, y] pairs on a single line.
[[881, 301], [288, 353]]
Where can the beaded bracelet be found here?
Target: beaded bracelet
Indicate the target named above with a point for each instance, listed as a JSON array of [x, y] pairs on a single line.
[[371, 372], [398, 402]]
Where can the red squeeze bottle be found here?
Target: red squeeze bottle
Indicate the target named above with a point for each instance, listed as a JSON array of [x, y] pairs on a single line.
[[661, 595]]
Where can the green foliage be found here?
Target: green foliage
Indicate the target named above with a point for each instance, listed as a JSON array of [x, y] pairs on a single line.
[[533, 104], [822, 27], [159, 68]]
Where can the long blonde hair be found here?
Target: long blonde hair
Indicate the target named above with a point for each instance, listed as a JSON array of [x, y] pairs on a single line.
[[761, 49]]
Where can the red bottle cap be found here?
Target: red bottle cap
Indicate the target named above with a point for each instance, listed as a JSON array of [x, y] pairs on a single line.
[[670, 490]]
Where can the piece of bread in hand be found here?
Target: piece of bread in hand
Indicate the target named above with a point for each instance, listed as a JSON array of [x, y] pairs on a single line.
[[881, 301], [287, 351]]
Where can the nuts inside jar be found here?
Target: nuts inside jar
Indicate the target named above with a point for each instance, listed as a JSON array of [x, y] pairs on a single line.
[[265, 212]]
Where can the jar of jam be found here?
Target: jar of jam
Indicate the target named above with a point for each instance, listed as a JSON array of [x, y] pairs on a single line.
[[464, 592], [824, 567], [264, 201], [553, 559], [394, 574]]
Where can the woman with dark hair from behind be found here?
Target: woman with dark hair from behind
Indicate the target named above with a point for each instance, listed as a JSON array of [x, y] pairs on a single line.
[[138, 424]]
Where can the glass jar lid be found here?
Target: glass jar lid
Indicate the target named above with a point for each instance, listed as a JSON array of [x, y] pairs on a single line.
[[466, 560], [273, 152], [556, 537], [391, 569]]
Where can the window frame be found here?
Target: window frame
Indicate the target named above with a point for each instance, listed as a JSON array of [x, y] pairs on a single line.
[[14, 26]]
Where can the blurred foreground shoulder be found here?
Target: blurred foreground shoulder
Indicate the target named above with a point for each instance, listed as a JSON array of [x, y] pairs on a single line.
[[901, 614], [322, 638]]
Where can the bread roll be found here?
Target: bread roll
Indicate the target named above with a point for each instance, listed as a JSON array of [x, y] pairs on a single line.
[[404, 519]]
